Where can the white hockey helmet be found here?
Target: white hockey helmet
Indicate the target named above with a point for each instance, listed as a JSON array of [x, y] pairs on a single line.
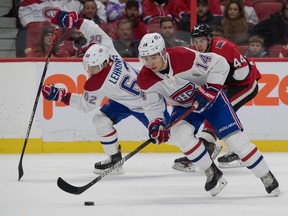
[[96, 55], [151, 44]]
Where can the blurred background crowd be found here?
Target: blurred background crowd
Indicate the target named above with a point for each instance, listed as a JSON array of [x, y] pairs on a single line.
[[258, 27]]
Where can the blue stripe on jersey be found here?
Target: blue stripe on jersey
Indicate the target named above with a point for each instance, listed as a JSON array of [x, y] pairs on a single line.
[[256, 163], [200, 156], [109, 143]]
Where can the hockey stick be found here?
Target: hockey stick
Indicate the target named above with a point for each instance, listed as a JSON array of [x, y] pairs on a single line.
[[20, 166], [65, 186]]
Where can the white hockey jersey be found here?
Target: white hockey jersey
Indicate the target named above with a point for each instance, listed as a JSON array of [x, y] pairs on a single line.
[[41, 10], [118, 82], [188, 69]]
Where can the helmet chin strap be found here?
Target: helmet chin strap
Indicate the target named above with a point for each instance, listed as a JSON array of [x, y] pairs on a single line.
[[164, 57], [209, 45]]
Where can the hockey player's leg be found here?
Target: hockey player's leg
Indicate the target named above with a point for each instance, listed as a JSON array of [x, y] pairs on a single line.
[[194, 149], [230, 160], [253, 160], [109, 140], [185, 165], [209, 140]]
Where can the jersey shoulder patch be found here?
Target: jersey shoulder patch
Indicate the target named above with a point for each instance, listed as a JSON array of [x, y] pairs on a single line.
[[219, 44]]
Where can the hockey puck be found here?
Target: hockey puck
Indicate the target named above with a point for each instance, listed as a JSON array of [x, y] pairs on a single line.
[[89, 203]]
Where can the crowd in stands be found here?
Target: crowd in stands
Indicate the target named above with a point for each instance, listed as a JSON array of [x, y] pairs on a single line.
[[258, 27]]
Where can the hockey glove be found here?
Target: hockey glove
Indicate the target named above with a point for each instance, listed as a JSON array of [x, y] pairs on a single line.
[[206, 96], [54, 94], [158, 132], [65, 19]]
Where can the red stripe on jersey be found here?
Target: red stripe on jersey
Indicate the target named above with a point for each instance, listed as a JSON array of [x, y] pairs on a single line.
[[111, 134], [250, 154], [226, 100], [193, 149], [29, 2]]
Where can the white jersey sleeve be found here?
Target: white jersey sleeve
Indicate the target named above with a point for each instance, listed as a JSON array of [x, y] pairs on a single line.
[[95, 34], [155, 102], [86, 102]]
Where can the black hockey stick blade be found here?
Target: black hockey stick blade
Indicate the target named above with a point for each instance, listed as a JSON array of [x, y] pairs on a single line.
[[65, 186]]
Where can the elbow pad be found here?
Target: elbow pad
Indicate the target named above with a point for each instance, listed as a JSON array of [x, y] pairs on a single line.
[[241, 73]]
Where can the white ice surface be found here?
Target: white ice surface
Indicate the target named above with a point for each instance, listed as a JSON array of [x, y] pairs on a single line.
[[149, 187]]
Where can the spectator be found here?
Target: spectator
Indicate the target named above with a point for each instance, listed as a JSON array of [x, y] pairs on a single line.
[[167, 29], [183, 8], [39, 11], [89, 11], [115, 9], [139, 28], [204, 15], [274, 29], [256, 47], [35, 11], [217, 31], [250, 13], [235, 26], [77, 45], [42, 48], [126, 45], [154, 10]]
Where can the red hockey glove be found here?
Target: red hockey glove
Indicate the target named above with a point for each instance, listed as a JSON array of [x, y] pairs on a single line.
[[54, 94], [158, 132], [206, 96], [65, 19]]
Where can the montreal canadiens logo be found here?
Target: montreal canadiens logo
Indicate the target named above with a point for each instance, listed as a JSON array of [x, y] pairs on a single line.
[[49, 12], [184, 95]]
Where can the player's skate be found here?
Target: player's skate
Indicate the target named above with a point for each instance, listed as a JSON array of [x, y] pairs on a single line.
[[185, 165], [101, 166], [271, 184], [230, 160], [215, 181]]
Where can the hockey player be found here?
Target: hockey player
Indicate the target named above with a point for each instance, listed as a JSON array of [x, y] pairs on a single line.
[[240, 86], [183, 76], [109, 76], [114, 79]]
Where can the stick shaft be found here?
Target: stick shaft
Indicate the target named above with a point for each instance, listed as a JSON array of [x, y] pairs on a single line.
[[65, 186], [20, 166]]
